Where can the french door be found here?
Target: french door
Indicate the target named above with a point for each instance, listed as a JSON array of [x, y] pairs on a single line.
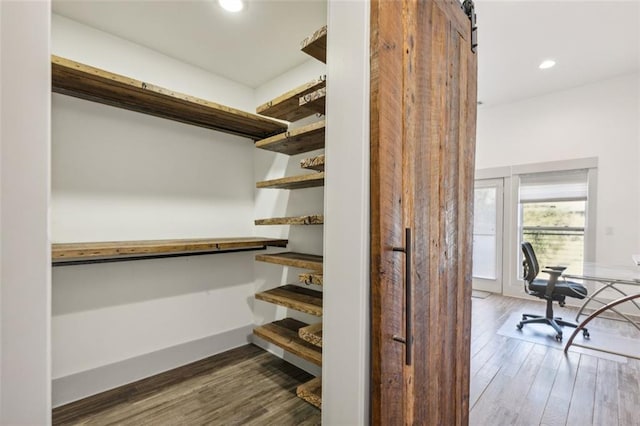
[[487, 235], [423, 116]]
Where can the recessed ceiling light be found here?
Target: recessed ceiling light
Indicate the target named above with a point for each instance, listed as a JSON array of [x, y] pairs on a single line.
[[546, 64], [232, 5]]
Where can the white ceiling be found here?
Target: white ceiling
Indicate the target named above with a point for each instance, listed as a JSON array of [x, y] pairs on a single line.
[[589, 40]]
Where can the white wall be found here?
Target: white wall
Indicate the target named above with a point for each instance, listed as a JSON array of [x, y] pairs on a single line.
[[25, 284], [597, 120], [121, 175]]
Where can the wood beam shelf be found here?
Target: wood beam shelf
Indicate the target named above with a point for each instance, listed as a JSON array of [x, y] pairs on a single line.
[[314, 163], [315, 219], [315, 101], [311, 392], [293, 259], [95, 252], [312, 334], [287, 106], [294, 182], [284, 334], [294, 297], [303, 139], [316, 45], [97, 85], [310, 278]]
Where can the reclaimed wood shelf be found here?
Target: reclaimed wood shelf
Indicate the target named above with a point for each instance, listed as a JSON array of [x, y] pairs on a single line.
[[311, 392], [315, 219], [303, 139], [294, 297], [97, 85], [296, 260], [94, 252], [312, 334], [284, 334], [314, 101], [314, 163], [287, 106], [310, 180], [310, 278], [316, 45]]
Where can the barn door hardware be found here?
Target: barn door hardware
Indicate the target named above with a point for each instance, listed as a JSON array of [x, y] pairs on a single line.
[[470, 9], [408, 332]]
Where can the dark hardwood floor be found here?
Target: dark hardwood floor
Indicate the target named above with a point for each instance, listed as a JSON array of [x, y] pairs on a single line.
[[513, 382]]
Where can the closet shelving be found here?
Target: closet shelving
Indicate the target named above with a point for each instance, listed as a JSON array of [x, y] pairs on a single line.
[[86, 82], [296, 337]]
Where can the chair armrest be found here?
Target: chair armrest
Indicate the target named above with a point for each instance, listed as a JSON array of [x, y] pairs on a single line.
[[551, 282], [556, 268], [552, 272]]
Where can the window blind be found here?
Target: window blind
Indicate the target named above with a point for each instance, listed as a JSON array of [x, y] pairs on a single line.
[[554, 186]]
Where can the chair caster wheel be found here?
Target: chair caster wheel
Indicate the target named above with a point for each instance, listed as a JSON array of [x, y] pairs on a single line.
[[524, 317], [559, 337], [519, 326], [585, 334]]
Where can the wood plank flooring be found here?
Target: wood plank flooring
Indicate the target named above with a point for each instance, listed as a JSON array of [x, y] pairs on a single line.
[[513, 382]]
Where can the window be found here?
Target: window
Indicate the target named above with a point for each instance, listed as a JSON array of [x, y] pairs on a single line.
[[553, 216]]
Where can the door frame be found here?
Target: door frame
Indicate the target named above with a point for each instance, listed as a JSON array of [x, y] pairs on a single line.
[[487, 284]]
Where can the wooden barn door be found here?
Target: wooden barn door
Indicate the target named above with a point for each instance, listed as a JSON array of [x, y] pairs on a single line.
[[423, 114]]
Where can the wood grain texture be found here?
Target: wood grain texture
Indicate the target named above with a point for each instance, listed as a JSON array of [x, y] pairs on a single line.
[[284, 334], [311, 392], [314, 163], [315, 101], [311, 180], [287, 106], [316, 45], [93, 84], [310, 278], [246, 385], [423, 118], [314, 219], [312, 334], [62, 252], [296, 260], [303, 139], [294, 297]]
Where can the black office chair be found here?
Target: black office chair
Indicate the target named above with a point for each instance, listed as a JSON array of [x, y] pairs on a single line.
[[551, 290]]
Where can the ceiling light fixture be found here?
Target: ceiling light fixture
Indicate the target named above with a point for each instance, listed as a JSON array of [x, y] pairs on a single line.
[[546, 64], [231, 5]]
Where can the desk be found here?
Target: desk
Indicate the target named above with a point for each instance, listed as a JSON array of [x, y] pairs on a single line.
[[610, 277]]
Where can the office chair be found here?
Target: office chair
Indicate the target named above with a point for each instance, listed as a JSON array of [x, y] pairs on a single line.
[[550, 289]]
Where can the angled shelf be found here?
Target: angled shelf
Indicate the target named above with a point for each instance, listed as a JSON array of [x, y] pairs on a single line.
[[314, 101], [294, 182], [315, 219], [111, 251], [284, 334], [314, 163], [312, 334], [293, 259], [310, 278], [316, 45], [287, 106], [93, 84], [311, 392], [303, 139], [294, 297]]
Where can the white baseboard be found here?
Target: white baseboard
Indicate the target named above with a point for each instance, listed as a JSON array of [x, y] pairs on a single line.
[[81, 385]]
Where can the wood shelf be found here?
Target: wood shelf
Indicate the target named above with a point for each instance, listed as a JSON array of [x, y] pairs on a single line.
[[316, 45], [130, 250], [316, 219], [314, 163], [296, 260], [312, 334], [303, 139], [294, 297], [93, 84], [310, 180], [314, 101], [310, 278], [311, 392], [287, 106], [284, 334]]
